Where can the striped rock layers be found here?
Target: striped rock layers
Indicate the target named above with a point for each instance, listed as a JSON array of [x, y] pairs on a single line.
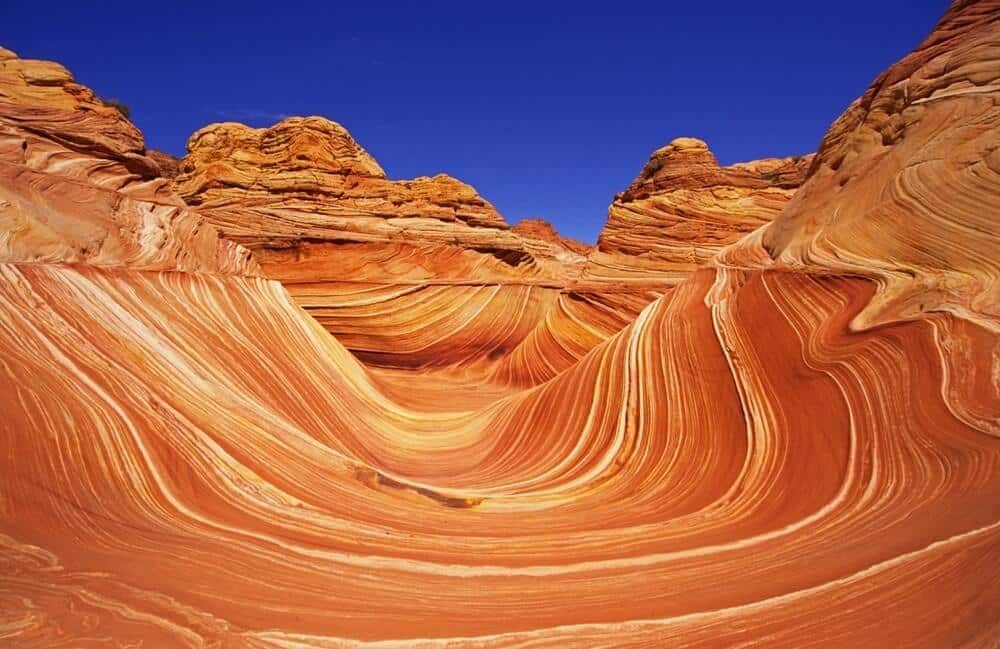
[[786, 448], [907, 171], [683, 208], [307, 198], [412, 273], [77, 186], [401, 271]]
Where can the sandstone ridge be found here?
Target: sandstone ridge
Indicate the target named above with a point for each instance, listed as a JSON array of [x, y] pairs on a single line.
[[77, 186], [794, 444], [683, 208], [304, 190]]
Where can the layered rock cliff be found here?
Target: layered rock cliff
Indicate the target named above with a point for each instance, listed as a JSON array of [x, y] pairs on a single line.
[[406, 273], [322, 217], [191, 460], [683, 208], [76, 185], [313, 204], [911, 167]]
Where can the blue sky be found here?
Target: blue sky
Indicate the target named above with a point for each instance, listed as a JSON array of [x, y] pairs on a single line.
[[548, 109]]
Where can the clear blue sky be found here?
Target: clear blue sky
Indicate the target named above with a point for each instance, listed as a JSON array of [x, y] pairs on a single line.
[[547, 108]]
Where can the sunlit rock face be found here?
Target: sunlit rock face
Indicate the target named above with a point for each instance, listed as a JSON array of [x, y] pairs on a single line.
[[906, 173], [412, 273], [780, 450], [683, 208], [76, 185], [305, 196]]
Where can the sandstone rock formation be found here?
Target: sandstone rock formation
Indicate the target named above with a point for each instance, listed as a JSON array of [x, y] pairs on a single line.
[[911, 165], [541, 230], [191, 460], [683, 208], [305, 196], [366, 255], [673, 218], [168, 164], [412, 273], [76, 185]]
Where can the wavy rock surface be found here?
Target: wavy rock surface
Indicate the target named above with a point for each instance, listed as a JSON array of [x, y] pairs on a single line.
[[76, 185], [680, 211], [911, 166], [193, 461], [414, 273], [304, 191], [683, 208]]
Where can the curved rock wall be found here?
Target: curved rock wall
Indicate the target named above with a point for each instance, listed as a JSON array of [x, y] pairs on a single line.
[[683, 208], [191, 460], [907, 172], [76, 185]]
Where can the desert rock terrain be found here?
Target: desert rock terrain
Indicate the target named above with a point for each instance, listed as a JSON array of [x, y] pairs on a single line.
[[281, 400]]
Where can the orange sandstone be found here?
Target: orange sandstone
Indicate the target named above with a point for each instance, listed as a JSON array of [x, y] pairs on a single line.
[[792, 440]]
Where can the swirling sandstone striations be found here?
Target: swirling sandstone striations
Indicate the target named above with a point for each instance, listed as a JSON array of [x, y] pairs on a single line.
[[673, 218], [304, 195], [683, 208], [908, 171], [402, 270], [76, 185], [415, 273], [193, 461]]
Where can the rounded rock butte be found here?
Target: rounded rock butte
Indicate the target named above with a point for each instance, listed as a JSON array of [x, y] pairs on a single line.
[[283, 401]]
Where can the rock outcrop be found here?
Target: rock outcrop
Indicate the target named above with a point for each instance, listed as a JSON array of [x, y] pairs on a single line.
[[683, 208], [191, 460], [168, 164], [543, 242], [76, 185], [411, 273], [542, 230], [307, 198], [911, 168]]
